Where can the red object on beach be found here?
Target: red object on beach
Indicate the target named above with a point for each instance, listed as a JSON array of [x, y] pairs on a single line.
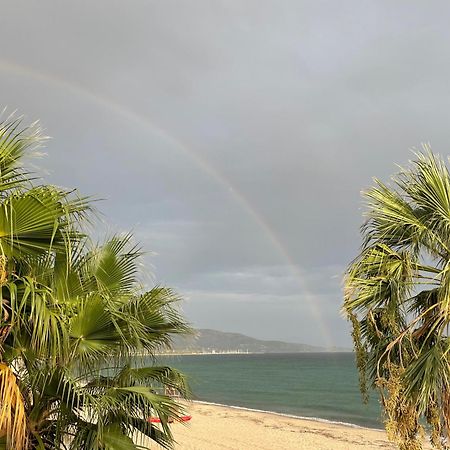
[[181, 419]]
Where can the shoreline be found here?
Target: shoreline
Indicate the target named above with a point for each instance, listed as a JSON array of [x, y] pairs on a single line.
[[291, 416]]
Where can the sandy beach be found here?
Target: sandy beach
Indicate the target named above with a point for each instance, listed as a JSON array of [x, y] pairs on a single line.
[[217, 428]]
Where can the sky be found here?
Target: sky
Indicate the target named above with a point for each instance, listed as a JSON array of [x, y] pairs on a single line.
[[233, 137]]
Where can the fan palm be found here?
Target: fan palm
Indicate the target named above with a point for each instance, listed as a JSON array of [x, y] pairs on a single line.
[[74, 319], [397, 296]]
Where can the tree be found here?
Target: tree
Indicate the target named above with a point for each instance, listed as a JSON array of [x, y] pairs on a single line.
[[75, 322], [397, 297]]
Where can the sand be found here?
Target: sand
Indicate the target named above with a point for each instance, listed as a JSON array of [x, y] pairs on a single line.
[[223, 428]]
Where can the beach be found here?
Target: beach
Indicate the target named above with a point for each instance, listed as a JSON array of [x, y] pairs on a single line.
[[216, 427]]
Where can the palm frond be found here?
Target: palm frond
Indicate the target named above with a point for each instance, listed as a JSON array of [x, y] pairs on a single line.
[[15, 141], [13, 421], [73, 320]]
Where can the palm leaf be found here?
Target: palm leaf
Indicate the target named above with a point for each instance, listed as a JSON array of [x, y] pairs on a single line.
[[397, 295], [12, 411]]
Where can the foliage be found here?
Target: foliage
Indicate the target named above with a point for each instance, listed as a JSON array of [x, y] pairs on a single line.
[[74, 319], [397, 296]]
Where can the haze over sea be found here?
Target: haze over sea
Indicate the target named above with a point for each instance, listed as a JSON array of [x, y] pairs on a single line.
[[316, 385]]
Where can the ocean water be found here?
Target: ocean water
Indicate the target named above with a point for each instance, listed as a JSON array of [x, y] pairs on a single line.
[[316, 385]]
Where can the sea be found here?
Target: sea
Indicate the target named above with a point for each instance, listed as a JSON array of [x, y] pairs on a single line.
[[311, 385]]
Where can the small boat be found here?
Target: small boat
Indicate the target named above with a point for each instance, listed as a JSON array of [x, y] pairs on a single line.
[[180, 419]]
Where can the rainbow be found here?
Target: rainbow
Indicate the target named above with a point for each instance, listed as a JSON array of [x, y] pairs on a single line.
[[150, 126]]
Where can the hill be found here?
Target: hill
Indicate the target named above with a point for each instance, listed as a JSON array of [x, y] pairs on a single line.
[[213, 341]]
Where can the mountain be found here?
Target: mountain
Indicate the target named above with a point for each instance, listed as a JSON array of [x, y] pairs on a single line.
[[213, 341]]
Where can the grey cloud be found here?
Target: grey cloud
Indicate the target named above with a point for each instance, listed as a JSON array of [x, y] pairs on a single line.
[[285, 111]]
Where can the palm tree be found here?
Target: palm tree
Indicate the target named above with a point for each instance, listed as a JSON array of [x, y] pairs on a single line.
[[397, 297], [75, 319]]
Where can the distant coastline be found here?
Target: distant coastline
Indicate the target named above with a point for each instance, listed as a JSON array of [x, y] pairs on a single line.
[[206, 341], [238, 352], [199, 353]]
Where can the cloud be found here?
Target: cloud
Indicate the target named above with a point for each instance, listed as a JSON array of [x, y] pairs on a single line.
[[285, 112]]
